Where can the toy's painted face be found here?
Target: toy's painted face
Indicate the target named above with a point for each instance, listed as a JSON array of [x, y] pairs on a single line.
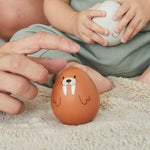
[[71, 82], [115, 35]]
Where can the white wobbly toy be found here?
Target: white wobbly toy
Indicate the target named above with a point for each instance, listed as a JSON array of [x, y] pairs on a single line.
[[110, 7]]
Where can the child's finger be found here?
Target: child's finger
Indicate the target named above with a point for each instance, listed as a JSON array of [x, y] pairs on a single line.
[[130, 29], [125, 20], [97, 28], [138, 28], [120, 1], [95, 6], [94, 37], [95, 13], [97, 38], [121, 11], [86, 39]]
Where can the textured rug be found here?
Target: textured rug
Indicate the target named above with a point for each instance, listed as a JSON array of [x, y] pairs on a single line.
[[122, 123]]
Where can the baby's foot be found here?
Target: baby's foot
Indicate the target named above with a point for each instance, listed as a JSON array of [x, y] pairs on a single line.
[[145, 77], [102, 84]]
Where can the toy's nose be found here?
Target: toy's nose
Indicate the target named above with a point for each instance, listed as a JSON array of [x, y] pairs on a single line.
[[68, 80]]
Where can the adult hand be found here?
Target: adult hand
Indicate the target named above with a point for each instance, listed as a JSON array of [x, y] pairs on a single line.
[[86, 29], [135, 14], [17, 69]]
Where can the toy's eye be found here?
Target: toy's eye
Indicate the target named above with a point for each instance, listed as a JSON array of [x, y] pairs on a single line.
[[62, 77], [115, 35], [74, 76]]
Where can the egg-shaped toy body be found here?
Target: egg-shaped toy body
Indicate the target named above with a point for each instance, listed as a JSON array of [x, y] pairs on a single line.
[[75, 99], [110, 7]]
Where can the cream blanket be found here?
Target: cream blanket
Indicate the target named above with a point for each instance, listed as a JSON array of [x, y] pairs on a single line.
[[122, 123]]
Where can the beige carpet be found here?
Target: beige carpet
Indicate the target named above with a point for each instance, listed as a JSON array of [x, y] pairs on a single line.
[[122, 123]]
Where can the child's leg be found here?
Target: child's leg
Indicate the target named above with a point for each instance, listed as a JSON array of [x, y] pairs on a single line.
[[145, 77], [18, 14], [102, 84]]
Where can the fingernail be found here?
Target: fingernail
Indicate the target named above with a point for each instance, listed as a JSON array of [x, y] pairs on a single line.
[[115, 18], [123, 40], [74, 47], [106, 32], [103, 13], [105, 43]]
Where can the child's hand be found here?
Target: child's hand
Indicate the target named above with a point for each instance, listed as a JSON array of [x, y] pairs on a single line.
[[86, 29], [135, 14]]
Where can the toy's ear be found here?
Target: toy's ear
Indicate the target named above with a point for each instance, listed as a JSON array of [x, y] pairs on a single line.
[[57, 101]]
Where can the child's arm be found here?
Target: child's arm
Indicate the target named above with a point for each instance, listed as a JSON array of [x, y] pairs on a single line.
[[135, 14], [64, 18], [60, 14]]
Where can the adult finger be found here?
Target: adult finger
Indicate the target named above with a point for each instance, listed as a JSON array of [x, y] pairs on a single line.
[[40, 40], [10, 104], [18, 85], [52, 65], [20, 64]]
